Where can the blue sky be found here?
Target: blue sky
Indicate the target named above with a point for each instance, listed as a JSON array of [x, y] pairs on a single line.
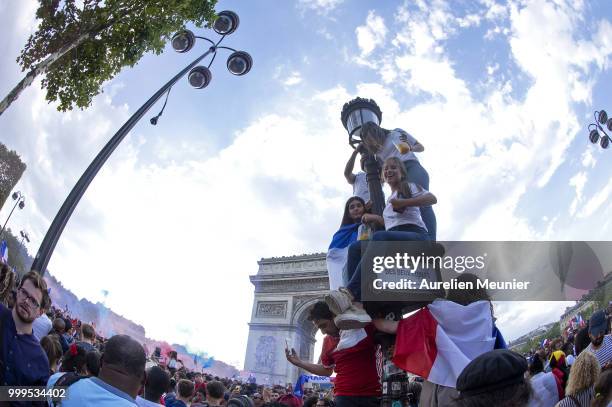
[[499, 93]]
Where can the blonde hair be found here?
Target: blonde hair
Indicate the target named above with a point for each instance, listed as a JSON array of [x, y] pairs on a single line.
[[373, 136], [403, 189], [583, 374]]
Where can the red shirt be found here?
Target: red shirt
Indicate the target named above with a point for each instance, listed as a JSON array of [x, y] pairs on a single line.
[[355, 367]]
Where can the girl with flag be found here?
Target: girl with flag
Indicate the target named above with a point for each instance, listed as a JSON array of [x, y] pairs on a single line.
[[337, 253], [402, 221]]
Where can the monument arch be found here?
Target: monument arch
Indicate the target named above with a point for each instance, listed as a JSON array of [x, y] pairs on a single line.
[[286, 288]]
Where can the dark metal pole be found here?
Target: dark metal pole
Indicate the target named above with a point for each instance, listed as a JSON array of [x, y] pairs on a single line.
[[9, 216], [372, 169], [57, 226]]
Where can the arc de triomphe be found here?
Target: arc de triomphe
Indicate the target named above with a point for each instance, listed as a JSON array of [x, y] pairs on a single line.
[[285, 290]]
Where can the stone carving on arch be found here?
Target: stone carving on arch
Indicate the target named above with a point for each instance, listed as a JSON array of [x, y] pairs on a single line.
[[299, 318]]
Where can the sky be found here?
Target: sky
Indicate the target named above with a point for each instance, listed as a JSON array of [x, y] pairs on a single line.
[[499, 93]]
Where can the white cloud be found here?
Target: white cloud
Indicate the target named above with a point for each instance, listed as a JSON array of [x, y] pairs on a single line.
[[577, 181], [293, 79], [495, 11], [372, 34], [588, 160], [321, 6], [595, 202]]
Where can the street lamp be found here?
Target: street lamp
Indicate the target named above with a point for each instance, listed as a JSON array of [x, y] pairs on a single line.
[[354, 114], [24, 235], [19, 199], [596, 129], [238, 63]]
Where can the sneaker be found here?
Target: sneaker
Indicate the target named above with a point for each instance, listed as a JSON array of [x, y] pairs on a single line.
[[352, 318], [338, 301]]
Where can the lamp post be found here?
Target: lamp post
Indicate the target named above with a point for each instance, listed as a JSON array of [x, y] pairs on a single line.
[[354, 114], [597, 129], [19, 199], [24, 236], [238, 63]]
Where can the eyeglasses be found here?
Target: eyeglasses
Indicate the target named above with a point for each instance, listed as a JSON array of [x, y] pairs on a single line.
[[31, 300]]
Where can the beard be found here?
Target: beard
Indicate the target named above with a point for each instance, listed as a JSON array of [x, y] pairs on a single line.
[[597, 341], [24, 316]]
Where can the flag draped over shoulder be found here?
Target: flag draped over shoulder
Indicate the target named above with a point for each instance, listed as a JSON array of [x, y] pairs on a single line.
[[337, 253], [438, 341]]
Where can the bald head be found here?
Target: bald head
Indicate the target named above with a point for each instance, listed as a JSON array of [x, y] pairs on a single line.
[[125, 354]]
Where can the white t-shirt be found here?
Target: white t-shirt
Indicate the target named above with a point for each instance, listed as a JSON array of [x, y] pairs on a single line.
[[360, 186], [95, 392], [389, 149], [545, 393], [411, 215], [41, 326]]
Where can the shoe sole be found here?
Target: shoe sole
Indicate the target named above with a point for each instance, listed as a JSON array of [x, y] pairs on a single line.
[[352, 321], [332, 304]]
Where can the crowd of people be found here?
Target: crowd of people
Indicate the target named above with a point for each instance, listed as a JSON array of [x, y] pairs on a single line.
[[451, 348], [42, 345]]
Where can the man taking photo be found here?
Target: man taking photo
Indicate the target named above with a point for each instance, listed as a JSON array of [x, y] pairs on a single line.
[[351, 354]]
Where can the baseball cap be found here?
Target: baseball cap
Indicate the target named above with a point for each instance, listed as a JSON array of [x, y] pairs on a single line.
[[598, 323]]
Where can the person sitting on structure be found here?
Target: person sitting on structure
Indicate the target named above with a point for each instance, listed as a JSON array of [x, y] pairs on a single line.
[[352, 354], [403, 222], [401, 145], [354, 209]]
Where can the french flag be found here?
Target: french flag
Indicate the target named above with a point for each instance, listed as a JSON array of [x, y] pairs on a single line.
[[4, 252], [438, 341], [337, 254]]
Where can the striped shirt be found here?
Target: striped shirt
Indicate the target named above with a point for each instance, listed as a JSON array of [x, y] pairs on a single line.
[[604, 353], [582, 399]]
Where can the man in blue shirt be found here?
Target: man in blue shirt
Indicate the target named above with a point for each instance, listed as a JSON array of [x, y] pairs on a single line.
[[23, 361], [122, 373]]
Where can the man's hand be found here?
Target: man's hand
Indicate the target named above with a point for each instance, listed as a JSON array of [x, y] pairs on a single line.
[[361, 148], [292, 356]]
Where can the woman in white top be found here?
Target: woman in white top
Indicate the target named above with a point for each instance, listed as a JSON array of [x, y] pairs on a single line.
[[400, 144], [402, 221]]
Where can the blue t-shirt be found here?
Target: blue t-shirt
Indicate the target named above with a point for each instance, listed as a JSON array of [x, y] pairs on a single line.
[[172, 401], [95, 392], [25, 361]]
